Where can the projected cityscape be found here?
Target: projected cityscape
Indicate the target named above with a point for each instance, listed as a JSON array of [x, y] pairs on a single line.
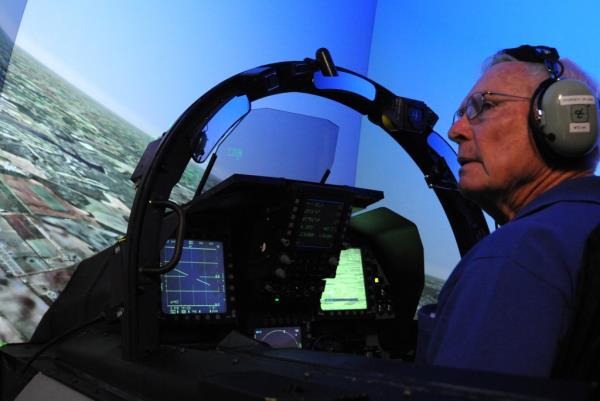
[[65, 194]]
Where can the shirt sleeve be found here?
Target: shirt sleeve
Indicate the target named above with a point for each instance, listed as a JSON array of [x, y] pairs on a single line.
[[499, 317]]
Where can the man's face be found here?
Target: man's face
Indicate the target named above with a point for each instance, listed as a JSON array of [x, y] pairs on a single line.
[[496, 152]]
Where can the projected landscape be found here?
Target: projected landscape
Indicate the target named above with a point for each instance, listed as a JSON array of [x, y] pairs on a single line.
[[65, 194], [5, 50], [431, 289]]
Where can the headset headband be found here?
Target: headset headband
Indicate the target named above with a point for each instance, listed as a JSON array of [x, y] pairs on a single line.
[[539, 54]]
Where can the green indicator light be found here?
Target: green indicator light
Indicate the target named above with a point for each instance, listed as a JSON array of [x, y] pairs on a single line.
[[276, 299]]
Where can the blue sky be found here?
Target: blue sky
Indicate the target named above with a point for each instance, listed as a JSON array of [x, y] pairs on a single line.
[[148, 60], [10, 14]]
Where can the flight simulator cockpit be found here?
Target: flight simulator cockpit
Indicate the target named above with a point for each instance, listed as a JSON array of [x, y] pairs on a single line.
[[267, 283]]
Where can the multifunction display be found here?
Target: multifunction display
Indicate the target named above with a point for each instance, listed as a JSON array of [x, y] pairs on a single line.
[[197, 284], [347, 290], [319, 223]]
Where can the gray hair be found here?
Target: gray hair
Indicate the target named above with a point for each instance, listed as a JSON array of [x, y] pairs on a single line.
[[571, 70]]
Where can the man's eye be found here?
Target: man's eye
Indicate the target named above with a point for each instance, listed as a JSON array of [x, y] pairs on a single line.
[[487, 105]]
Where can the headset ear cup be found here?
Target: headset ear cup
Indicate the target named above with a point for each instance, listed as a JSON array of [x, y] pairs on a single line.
[[539, 136], [567, 126]]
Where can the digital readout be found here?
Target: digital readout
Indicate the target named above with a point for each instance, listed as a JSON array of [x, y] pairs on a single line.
[[319, 223]]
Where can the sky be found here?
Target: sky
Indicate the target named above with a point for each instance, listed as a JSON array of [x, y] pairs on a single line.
[[148, 60], [10, 15]]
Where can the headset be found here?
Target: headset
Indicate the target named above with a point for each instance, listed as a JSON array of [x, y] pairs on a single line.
[[563, 113]]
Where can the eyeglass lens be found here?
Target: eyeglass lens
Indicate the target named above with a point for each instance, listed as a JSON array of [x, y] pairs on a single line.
[[472, 108]]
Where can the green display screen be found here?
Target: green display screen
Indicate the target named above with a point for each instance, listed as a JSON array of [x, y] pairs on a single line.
[[347, 290]]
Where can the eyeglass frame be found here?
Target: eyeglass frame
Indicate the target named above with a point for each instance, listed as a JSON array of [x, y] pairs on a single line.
[[463, 111]]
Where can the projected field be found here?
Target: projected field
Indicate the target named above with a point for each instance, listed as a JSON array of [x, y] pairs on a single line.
[[197, 284], [347, 290]]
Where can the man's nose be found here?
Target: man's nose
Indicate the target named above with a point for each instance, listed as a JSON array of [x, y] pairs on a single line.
[[460, 131]]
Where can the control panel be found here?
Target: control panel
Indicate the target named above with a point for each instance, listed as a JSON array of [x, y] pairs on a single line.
[[279, 261]]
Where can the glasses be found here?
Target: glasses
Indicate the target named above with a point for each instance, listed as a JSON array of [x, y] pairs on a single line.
[[477, 103]]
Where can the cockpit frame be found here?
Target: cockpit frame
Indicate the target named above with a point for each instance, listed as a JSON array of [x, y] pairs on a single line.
[[409, 122]]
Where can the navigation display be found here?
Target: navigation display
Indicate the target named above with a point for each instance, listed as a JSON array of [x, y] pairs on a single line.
[[280, 337], [197, 284], [319, 223], [347, 290]]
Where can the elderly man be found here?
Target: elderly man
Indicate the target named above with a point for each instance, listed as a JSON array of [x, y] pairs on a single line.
[[509, 301]]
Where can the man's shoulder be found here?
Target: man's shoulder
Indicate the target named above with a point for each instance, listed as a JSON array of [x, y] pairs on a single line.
[[565, 214], [552, 229], [570, 196], [548, 243]]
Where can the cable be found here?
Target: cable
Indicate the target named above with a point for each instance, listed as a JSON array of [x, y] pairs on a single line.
[[109, 316]]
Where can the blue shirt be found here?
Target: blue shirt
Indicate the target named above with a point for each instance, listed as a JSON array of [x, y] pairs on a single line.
[[510, 299]]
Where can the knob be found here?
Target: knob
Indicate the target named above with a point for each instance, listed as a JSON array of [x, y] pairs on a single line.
[[333, 261], [279, 272], [285, 259]]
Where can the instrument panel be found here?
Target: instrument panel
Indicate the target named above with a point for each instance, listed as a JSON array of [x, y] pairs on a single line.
[[279, 261]]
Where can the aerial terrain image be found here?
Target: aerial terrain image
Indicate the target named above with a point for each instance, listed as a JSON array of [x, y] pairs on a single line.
[[65, 193]]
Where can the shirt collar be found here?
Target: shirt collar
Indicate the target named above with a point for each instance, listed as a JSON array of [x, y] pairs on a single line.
[[582, 189]]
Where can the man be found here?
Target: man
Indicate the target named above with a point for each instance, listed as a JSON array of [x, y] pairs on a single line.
[[509, 301]]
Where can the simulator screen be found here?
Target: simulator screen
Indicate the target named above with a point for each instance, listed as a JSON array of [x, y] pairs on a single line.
[[197, 284], [347, 290]]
